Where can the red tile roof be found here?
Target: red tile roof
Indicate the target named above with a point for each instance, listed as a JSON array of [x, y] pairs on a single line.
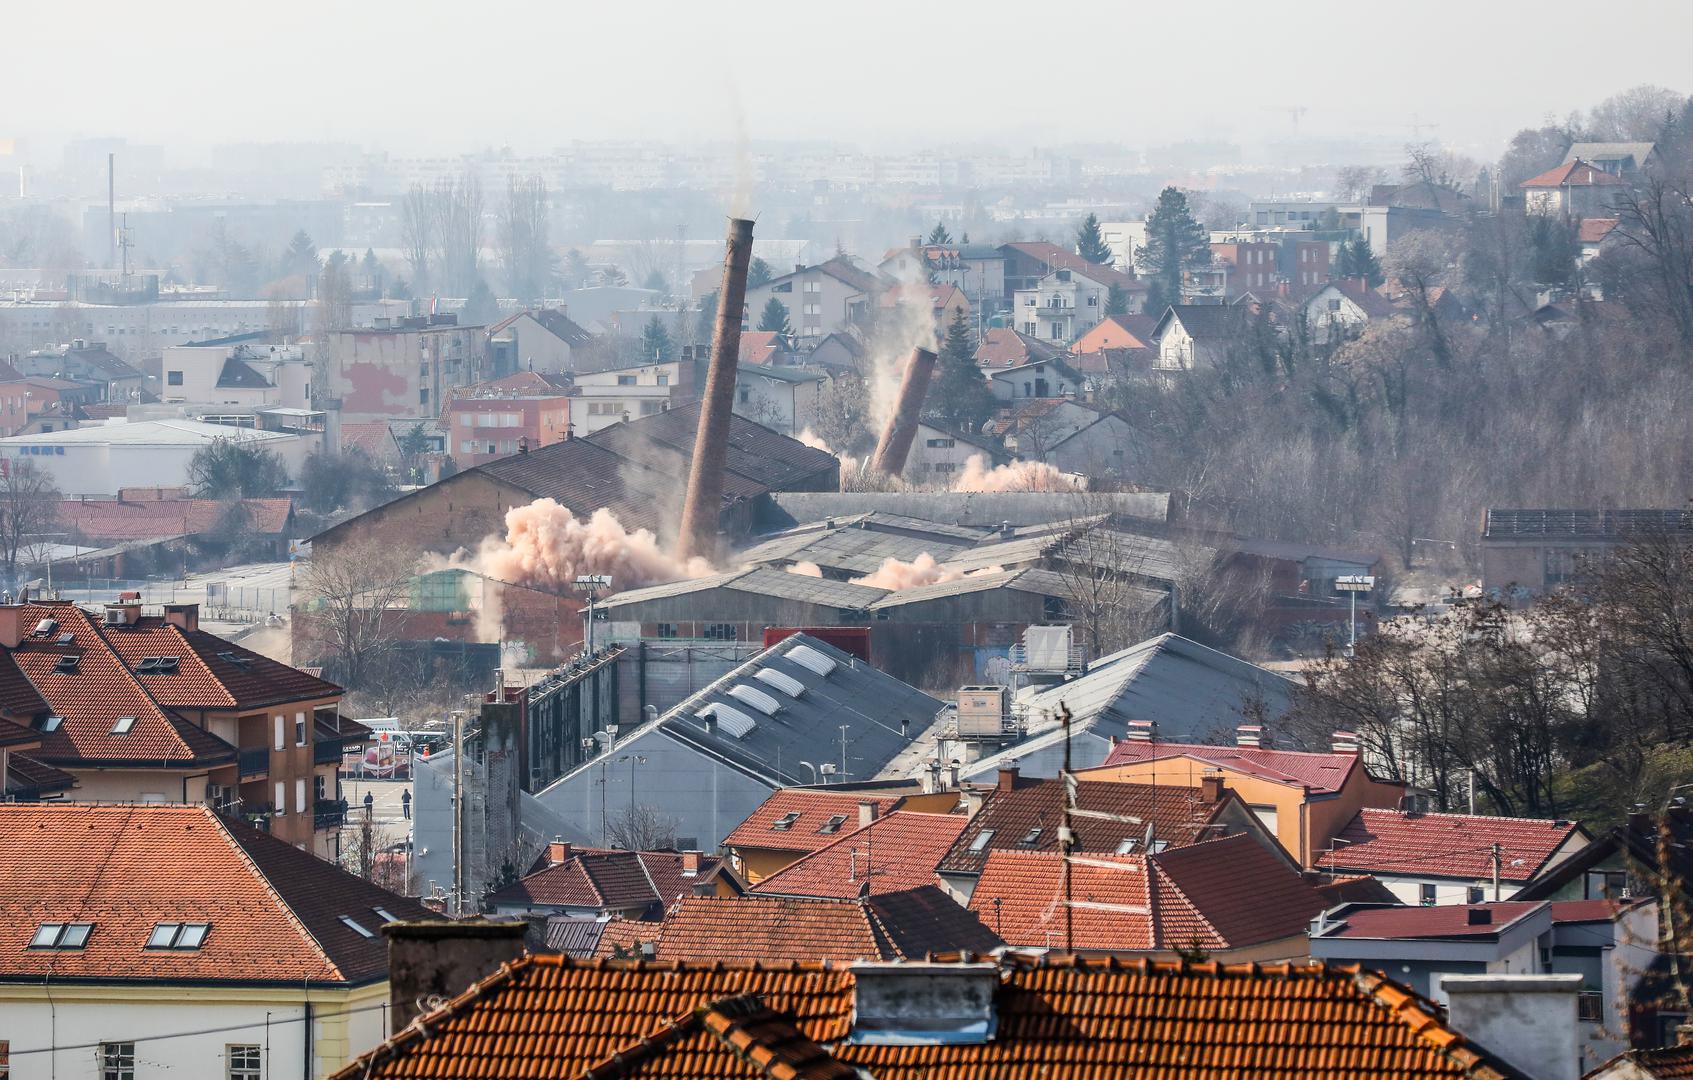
[[1437, 921], [110, 521], [1320, 773], [1669, 1063], [1117, 332], [1174, 815], [274, 911], [1059, 258], [1595, 230], [814, 809], [375, 440], [1576, 173], [1057, 1017], [1447, 845], [911, 924], [606, 880], [1218, 895], [760, 347], [101, 691], [211, 673], [892, 853]]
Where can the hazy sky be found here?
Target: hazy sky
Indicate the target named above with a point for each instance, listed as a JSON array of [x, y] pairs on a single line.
[[425, 74]]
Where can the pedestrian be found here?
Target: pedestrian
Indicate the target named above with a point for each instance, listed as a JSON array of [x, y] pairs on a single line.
[[369, 805], [405, 805]]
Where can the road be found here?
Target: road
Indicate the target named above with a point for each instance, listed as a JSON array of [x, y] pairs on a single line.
[[386, 807]]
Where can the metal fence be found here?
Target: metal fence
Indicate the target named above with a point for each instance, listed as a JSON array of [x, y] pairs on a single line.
[[244, 603]]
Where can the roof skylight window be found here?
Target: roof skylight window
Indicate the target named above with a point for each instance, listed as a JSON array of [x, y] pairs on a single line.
[[1031, 836], [981, 841], [356, 928], [124, 725], [170, 935], [833, 825], [785, 822], [54, 935]]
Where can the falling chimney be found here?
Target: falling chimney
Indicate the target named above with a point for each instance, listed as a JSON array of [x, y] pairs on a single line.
[[896, 439], [1344, 742], [700, 510], [1250, 735], [866, 813], [430, 962], [1143, 731]]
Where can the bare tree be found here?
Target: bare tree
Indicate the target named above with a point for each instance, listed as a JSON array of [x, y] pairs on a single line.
[[1109, 582], [1638, 114], [417, 234], [1353, 182], [457, 231], [366, 853], [351, 595], [524, 230], [29, 505], [1655, 221], [1420, 261], [642, 828]]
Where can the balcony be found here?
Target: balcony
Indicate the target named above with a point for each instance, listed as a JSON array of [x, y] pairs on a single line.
[[328, 751], [329, 814], [254, 762]]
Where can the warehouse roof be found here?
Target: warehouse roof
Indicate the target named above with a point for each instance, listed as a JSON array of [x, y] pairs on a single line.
[[985, 509], [151, 433], [760, 581]]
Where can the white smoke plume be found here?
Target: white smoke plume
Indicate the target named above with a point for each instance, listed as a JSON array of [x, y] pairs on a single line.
[[1017, 476], [923, 570], [805, 569], [545, 544], [815, 441], [899, 329]]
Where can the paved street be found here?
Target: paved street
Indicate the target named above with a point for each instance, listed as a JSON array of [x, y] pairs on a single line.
[[387, 805]]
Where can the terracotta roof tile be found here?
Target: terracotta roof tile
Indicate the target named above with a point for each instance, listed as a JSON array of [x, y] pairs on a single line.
[[892, 853], [813, 808], [1576, 173], [1437, 921], [1321, 773], [274, 911], [912, 924], [1447, 845], [624, 938], [1669, 1063], [1175, 815], [607, 880], [1057, 1017], [1222, 894], [109, 521]]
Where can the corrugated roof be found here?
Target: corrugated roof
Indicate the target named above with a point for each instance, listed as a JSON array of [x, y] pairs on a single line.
[[969, 509], [760, 581]]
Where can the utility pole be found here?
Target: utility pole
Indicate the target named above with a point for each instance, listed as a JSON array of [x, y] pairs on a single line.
[[112, 210], [1495, 872], [458, 813], [1066, 832]]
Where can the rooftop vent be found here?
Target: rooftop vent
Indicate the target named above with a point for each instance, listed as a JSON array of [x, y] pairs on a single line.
[[782, 681], [758, 699], [812, 660], [1480, 916], [923, 1004], [730, 719]]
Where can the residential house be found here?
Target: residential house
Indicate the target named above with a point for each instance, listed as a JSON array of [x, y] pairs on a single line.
[[1003, 347], [488, 423], [820, 299], [1427, 858], [1232, 899], [1305, 798], [89, 362], [604, 884], [1175, 685], [1032, 425], [939, 454], [799, 712], [1124, 238], [1342, 308], [1288, 213], [50, 404], [1064, 1016], [976, 270], [1102, 448], [1611, 947], [765, 348], [1190, 336], [1574, 189], [1061, 307], [540, 340], [794, 822], [1028, 264], [888, 853], [1593, 236], [1048, 378], [1535, 551], [944, 302], [148, 939], [784, 399], [1247, 264], [596, 308], [246, 375], [1021, 814], [402, 367], [1624, 159], [1118, 345], [613, 395], [838, 351]]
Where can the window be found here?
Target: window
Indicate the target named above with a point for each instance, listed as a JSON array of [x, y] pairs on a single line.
[[117, 1061], [1334, 305], [281, 805], [784, 287], [814, 286], [281, 722], [626, 380], [721, 631], [1125, 846], [245, 1061], [52, 935], [1093, 299], [423, 395], [833, 825], [1425, 895], [651, 408], [743, 395], [300, 795], [466, 446], [465, 420], [124, 725], [299, 729], [49, 724], [785, 822], [940, 444], [1475, 895], [169, 935], [664, 380], [5, 1059], [1158, 845], [355, 927], [981, 841], [665, 630], [173, 378], [1030, 837], [813, 309], [946, 466]]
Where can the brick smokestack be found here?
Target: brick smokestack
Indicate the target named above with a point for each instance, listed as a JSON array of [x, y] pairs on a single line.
[[704, 501], [895, 444]]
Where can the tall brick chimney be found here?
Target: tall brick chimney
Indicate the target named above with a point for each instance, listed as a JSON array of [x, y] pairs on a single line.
[[700, 510], [895, 444]]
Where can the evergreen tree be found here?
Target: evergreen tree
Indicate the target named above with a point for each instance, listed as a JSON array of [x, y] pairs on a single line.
[[372, 270], [939, 235], [1175, 243], [758, 272], [963, 239], [301, 256], [655, 342], [575, 271], [960, 396], [1554, 250], [775, 317], [655, 281], [1356, 260], [1116, 301], [1090, 242]]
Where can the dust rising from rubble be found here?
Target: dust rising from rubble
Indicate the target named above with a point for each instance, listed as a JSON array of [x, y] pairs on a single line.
[[1017, 476], [805, 569], [547, 545], [923, 570]]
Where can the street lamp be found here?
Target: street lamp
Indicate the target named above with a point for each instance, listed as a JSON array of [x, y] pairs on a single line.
[[590, 584]]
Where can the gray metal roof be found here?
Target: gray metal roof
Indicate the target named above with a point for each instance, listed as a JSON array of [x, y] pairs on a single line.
[[1006, 553], [1028, 579], [982, 509], [860, 551], [763, 581]]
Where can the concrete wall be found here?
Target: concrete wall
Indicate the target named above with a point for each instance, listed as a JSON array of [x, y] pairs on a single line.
[[1529, 1022], [442, 518], [1101, 449], [101, 469], [705, 799]]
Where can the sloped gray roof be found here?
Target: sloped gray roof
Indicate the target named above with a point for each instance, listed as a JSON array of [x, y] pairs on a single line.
[[762, 581], [983, 509], [1606, 151], [853, 550], [1028, 579]]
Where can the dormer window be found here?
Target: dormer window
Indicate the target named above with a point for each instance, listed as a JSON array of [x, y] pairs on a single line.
[[49, 723], [54, 935]]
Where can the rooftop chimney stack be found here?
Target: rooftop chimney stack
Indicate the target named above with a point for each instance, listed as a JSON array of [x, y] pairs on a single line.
[[1007, 779], [1143, 731], [867, 812], [185, 617], [895, 444], [557, 852], [430, 962], [1211, 788], [700, 510]]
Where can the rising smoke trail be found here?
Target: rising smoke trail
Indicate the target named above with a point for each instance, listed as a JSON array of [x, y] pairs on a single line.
[[1017, 476], [545, 544]]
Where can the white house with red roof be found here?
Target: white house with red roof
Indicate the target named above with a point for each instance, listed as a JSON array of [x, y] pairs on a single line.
[[1573, 189], [1434, 859]]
